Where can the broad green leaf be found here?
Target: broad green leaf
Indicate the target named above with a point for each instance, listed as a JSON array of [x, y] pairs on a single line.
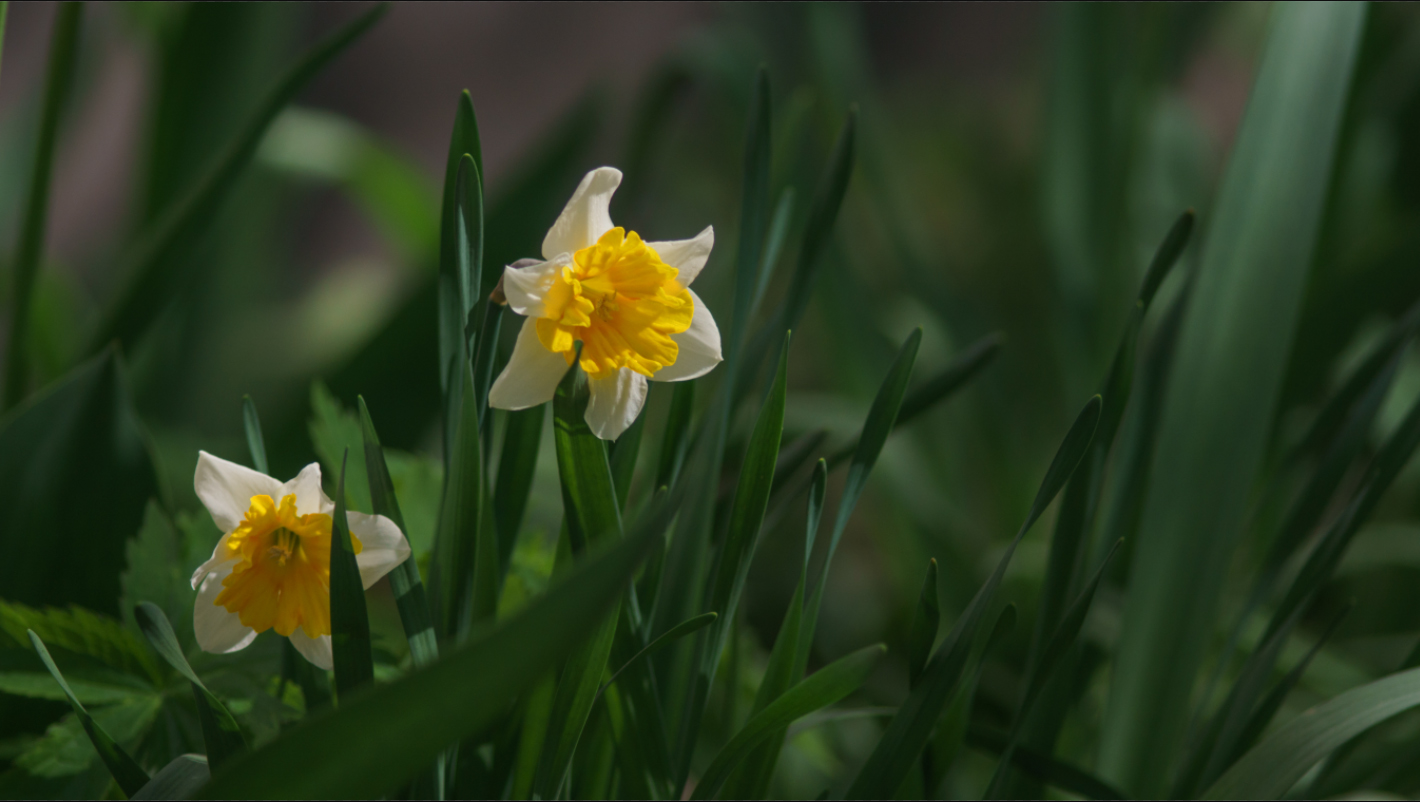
[[378, 740], [910, 729], [220, 732], [349, 619], [90, 692], [125, 771], [81, 632], [180, 779], [522, 440], [1272, 767], [66, 750], [152, 269], [824, 687], [80, 432], [29, 251], [333, 431], [1225, 381], [922, 635]]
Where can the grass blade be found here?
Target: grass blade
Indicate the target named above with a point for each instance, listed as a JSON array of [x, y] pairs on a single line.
[[180, 779], [688, 627], [127, 773], [824, 687], [460, 595], [256, 444], [1044, 768], [63, 52], [952, 378], [754, 216], [953, 730], [926, 617], [349, 620], [380, 739], [153, 269], [1225, 381], [522, 438], [909, 730], [676, 439]]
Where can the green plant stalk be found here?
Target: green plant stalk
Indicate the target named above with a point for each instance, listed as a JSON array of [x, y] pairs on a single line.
[[63, 52], [349, 619]]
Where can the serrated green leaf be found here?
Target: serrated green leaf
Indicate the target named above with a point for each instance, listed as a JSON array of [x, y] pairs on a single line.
[[333, 431], [63, 53], [182, 778], [125, 771], [349, 619], [824, 687], [89, 692], [82, 632], [152, 268], [378, 740], [220, 732], [1225, 381], [156, 572]]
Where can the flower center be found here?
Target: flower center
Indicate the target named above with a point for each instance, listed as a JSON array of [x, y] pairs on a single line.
[[621, 302], [282, 579]]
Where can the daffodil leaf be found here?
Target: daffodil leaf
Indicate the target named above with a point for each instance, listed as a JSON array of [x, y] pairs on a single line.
[[378, 740], [773, 246], [623, 456], [182, 778], [152, 267], [922, 635], [465, 592], [908, 732], [675, 438], [876, 428], [522, 440], [460, 231], [962, 369], [1222, 393], [954, 728], [1043, 768], [824, 687], [349, 619], [680, 630], [125, 771], [754, 216], [220, 731], [63, 53], [256, 444]]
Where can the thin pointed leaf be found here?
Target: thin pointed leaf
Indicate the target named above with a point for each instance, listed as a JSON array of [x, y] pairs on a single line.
[[952, 378], [953, 731], [909, 730], [522, 440], [349, 620], [754, 216], [1044, 768], [922, 635], [682, 629], [463, 593], [676, 439], [824, 687], [125, 771], [773, 245], [153, 268], [220, 732], [29, 251], [256, 444], [182, 778]]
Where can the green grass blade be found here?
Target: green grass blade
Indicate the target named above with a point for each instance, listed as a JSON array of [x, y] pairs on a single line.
[[773, 246], [29, 251], [953, 730], [1225, 381], [377, 741], [127, 773], [676, 439], [687, 627], [624, 454], [522, 439], [922, 634], [876, 428], [1272, 767], [153, 269], [180, 779], [349, 620], [952, 378], [1044, 768], [824, 687], [220, 732], [461, 598], [754, 216], [256, 444], [909, 730]]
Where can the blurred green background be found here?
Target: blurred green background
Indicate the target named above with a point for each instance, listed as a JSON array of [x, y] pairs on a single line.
[[1017, 165]]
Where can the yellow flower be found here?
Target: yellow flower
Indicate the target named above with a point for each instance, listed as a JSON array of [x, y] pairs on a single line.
[[627, 301], [271, 569]]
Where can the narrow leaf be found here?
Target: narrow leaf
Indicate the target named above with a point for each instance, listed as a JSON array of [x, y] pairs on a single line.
[[922, 635], [349, 620], [256, 444], [522, 440], [680, 630], [220, 732], [182, 778]]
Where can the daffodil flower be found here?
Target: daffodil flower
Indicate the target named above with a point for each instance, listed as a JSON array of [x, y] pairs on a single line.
[[627, 301], [271, 569]]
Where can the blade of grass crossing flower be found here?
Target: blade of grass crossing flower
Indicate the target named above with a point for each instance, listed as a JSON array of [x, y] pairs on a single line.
[[1272, 767], [29, 252], [220, 732], [349, 620], [593, 518], [909, 730], [824, 687], [1223, 391], [126, 772], [153, 269], [922, 634], [379, 739], [522, 439], [876, 428]]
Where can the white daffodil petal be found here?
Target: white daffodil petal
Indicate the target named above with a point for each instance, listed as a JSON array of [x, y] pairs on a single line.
[[316, 650], [699, 347], [219, 556], [586, 216], [687, 256], [525, 287], [218, 630], [616, 401], [226, 489], [309, 495], [532, 373], [382, 546]]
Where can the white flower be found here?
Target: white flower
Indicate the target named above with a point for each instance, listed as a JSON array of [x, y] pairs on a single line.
[[627, 301], [271, 569]]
